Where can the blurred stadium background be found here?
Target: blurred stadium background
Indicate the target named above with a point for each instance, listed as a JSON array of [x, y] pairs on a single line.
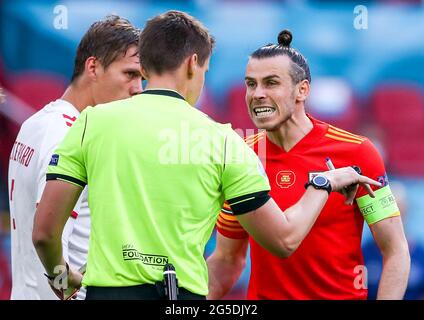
[[370, 81]]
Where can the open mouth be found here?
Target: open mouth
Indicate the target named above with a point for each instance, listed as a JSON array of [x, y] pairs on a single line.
[[261, 112]]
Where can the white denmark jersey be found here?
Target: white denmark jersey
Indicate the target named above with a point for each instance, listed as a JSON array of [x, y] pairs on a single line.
[[37, 139]]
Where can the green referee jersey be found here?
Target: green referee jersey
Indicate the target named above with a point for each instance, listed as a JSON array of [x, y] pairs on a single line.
[[158, 172]]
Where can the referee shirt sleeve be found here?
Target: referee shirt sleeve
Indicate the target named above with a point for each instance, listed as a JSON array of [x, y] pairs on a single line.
[[67, 162], [244, 181]]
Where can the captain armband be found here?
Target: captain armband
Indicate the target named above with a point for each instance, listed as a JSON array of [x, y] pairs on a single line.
[[379, 208]]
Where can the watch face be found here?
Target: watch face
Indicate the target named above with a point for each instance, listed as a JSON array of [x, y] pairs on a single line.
[[320, 181]]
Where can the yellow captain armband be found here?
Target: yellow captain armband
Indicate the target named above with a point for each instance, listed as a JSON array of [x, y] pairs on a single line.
[[381, 207]]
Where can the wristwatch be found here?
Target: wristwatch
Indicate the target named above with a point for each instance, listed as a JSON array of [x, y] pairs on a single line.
[[319, 182]]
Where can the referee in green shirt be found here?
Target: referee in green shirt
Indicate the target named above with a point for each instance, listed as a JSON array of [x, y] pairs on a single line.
[[158, 172]]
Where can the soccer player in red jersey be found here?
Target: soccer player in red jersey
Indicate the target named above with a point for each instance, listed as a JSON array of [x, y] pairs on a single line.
[[328, 264]]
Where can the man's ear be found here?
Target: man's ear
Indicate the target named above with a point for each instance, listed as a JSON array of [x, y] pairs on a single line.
[[303, 89], [192, 65], [144, 73], [91, 65]]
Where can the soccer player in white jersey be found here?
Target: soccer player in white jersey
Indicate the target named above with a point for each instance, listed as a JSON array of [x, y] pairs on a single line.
[[106, 68]]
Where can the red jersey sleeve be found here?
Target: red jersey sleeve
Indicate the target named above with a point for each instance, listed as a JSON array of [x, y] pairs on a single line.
[[371, 165], [228, 225]]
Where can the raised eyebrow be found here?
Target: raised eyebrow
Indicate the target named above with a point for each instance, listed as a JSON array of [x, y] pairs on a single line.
[[264, 79], [271, 77]]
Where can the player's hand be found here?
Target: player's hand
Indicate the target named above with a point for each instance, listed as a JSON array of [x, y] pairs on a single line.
[[72, 284], [350, 192], [346, 181]]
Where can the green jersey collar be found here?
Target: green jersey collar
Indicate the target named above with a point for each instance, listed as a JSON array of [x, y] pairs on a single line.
[[164, 92]]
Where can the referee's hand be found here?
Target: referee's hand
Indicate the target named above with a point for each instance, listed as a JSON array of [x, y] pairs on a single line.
[[346, 181]]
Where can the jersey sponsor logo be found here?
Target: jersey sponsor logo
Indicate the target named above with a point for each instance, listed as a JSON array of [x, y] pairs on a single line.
[[130, 253], [21, 153], [285, 179], [54, 160]]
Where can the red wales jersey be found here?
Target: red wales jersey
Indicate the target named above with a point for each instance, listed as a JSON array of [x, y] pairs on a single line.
[[328, 262]]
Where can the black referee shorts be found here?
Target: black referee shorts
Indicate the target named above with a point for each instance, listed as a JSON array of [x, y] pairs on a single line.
[[140, 292]]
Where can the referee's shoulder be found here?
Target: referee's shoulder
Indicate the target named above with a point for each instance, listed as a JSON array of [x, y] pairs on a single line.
[[109, 109], [207, 120]]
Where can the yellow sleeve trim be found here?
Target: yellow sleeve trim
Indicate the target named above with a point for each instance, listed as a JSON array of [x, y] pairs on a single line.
[[342, 139]]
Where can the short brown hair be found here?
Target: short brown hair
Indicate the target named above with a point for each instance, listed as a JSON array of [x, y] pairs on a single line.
[[169, 38], [106, 40]]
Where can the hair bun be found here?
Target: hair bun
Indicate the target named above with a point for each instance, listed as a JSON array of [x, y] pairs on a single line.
[[285, 37]]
